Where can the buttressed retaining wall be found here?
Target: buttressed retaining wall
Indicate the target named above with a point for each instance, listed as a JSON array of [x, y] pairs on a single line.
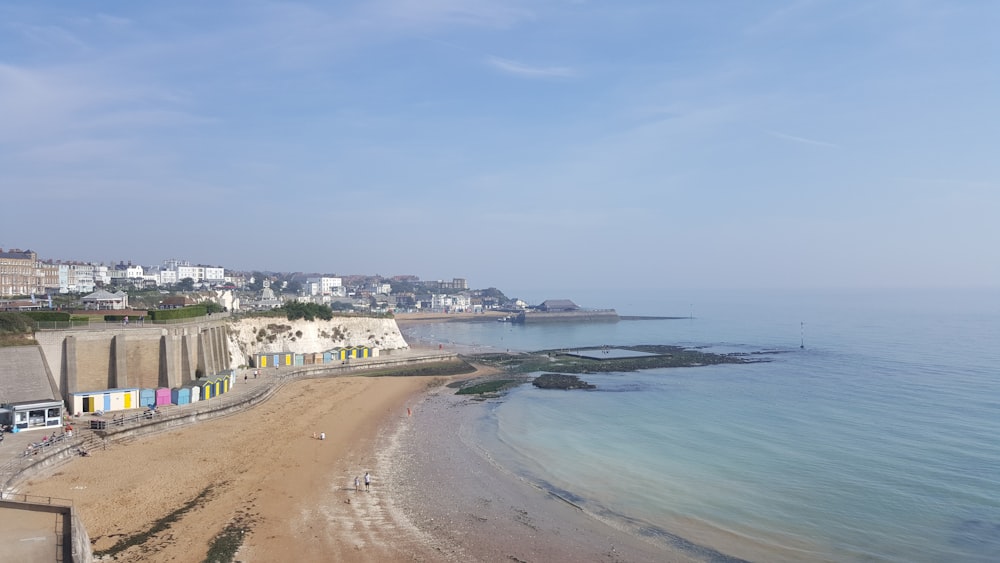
[[150, 356]]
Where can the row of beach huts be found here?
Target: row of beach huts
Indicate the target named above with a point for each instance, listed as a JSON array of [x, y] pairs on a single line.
[[135, 398], [331, 356], [202, 389]]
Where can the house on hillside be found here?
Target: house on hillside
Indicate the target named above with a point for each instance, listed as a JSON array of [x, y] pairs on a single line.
[[177, 302]]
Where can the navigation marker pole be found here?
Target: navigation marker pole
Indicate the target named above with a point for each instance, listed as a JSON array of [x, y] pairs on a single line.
[[802, 335]]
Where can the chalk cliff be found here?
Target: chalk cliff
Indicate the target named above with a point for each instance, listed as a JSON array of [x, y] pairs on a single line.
[[255, 335]]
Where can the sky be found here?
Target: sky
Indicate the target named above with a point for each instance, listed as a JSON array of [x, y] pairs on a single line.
[[546, 143]]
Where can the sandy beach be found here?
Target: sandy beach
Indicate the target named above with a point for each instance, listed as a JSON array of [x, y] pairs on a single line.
[[435, 495], [262, 468]]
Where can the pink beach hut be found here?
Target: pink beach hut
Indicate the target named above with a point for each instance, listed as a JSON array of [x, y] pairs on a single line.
[[163, 396]]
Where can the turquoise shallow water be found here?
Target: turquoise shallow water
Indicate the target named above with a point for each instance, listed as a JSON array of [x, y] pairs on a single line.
[[879, 441]]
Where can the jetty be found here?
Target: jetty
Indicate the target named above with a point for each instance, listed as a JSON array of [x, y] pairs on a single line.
[[564, 311]]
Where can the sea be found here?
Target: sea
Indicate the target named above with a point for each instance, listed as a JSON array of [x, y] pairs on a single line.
[[871, 433]]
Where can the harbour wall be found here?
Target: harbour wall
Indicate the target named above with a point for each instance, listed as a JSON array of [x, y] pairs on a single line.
[[604, 315]]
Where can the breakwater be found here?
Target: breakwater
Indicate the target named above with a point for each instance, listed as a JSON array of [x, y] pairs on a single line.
[[601, 315]]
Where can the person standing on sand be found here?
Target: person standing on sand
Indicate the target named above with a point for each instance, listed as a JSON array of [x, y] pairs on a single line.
[[357, 484], [368, 482]]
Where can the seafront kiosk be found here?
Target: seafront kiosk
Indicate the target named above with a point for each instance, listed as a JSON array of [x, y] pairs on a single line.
[[35, 415]]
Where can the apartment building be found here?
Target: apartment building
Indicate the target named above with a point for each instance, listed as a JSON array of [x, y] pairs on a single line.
[[19, 272]]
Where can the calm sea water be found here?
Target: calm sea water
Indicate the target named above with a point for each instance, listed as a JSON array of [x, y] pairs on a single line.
[[879, 441]]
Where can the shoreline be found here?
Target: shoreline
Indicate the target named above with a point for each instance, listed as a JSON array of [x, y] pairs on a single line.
[[477, 510], [436, 494]]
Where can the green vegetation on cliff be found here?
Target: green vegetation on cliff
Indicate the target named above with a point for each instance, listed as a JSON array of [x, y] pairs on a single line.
[[16, 329]]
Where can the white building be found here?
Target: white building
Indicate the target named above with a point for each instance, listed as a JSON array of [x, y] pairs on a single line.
[[214, 274], [453, 303], [126, 272], [81, 277], [209, 274], [167, 277], [325, 286], [196, 273], [381, 288]]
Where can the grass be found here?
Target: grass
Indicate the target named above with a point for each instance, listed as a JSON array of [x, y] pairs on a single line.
[[17, 339]]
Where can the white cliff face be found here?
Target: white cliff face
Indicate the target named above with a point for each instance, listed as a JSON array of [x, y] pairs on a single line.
[[256, 335]]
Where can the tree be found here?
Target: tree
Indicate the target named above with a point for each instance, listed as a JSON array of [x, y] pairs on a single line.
[[212, 306], [186, 284], [308, 311], [258, 282]]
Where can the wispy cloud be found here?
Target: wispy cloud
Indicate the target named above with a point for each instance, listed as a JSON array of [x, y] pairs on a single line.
[[802, 140], [423, 13], [521, 69]]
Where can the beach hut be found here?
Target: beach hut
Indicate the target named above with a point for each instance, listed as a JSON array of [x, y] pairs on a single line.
[[131, 398], [195, 393], [207, 389], [147, 397], [298, 359], [92, 402], [163, 396], [261, 361], [116, 400], [180, 396], [327, 357], [88, 401]]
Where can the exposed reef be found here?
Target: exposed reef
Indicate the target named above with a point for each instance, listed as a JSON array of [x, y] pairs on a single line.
[[516, 368], [560, 381]]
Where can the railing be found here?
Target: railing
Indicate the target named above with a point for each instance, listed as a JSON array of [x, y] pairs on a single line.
[[36, 499], [38, 451], [133, 323]]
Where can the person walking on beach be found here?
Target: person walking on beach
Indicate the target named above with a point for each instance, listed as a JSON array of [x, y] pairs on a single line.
[[357, 484], [368, 482]]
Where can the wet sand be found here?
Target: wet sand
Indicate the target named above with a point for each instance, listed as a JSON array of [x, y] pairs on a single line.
[[453, 491]]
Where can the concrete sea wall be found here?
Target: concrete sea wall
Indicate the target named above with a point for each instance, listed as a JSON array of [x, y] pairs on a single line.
[[156, 356]]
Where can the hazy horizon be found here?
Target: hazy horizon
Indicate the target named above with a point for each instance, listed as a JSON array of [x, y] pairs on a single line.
[[672, 145]]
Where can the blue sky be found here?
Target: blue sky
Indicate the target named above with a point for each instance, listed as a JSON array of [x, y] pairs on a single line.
[[647, 144]]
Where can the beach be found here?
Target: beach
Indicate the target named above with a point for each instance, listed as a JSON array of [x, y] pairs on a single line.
[[262, 469], [434, 496]]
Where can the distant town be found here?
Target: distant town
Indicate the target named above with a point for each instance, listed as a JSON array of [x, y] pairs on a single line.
[[28, 282]]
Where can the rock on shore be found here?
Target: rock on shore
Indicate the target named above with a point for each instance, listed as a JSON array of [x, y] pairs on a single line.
[[560, 381]]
